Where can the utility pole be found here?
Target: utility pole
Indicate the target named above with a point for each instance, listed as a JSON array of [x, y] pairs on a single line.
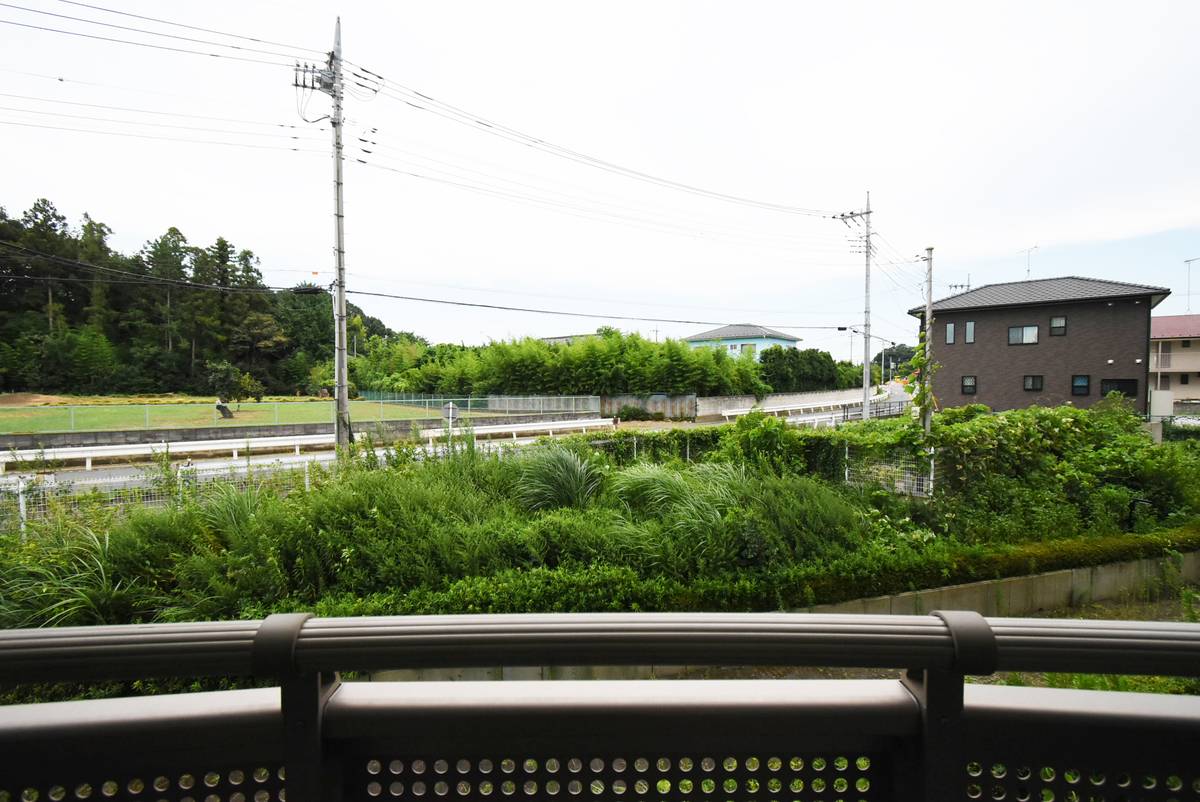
[[329, 81], [865, 214], [1188, 262], [927, 371]]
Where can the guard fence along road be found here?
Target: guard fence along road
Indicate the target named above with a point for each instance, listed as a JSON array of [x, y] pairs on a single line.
[[925, 736]]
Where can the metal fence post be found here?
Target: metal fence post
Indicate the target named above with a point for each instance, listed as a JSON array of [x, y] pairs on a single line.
[[307, 480], [846, 463], [72, 408], [147, 407], [21, 511], [276, 412]]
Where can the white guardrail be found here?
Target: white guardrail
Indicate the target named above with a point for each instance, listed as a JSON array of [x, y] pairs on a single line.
[[89, 453], [799, 409], [550, 427]]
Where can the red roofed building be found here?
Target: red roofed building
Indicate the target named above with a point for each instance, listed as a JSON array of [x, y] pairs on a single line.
[[1175, 355]]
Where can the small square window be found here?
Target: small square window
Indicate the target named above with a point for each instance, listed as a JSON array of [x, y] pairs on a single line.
[[1081, 385], [1058, 326], [969, 335], [1033, 383], [1186, 344], [1183, 378], [949, 334], [1022, 335], [968, 385]]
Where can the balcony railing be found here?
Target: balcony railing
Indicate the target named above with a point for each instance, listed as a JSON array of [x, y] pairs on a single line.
[[927, 736]]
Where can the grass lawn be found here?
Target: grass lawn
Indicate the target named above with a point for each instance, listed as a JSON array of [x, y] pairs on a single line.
[[152, 414]]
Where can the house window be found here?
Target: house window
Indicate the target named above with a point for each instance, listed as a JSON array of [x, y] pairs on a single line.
[[1033, 383], [1183, 378], [1081, 385], [1022, 335], [749, 348], [1185, 344], [1126, 387], [1058, 326], [968, 385], [949, 334], [969, 335], [733, 347]]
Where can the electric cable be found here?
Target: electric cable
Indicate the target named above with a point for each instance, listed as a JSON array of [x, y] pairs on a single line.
[[162, 138]]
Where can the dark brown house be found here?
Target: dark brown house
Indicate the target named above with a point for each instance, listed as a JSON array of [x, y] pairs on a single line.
[[1047, 342]]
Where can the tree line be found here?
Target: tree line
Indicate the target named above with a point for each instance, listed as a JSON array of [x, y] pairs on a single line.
[[77, 316], [132, 324]]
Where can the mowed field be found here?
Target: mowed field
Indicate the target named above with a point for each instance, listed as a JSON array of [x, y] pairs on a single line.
[[64, 414]]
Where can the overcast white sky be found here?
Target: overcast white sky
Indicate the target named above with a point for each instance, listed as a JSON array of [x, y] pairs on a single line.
[[978, 129]]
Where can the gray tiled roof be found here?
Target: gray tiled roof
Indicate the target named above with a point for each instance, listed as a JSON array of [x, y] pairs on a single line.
[[1043, 291], [740, 331]]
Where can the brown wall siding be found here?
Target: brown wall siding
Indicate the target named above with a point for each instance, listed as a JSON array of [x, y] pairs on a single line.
[[1096, 333]]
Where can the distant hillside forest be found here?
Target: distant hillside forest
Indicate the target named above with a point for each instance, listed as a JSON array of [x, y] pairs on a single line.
[[139, 324]]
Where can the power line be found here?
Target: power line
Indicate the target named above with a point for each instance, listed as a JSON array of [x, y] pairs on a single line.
[[161, 125], [821, 241], [530, 310], [247, 59], [162, 138], [153, 111], [190, 27], [142, 277], [148, 33], [467, 118], [558, 206]]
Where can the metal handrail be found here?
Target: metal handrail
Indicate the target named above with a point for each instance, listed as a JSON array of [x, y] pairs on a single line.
[[330, 644]]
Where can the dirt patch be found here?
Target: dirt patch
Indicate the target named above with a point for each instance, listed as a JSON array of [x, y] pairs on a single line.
[[30, 400]]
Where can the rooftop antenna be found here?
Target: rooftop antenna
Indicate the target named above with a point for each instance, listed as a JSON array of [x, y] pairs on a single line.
[[1027, 251], [1188, 262]]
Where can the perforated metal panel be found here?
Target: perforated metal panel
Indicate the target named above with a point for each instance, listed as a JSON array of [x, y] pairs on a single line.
[[250, 783], [636, 776], [1042, 782]]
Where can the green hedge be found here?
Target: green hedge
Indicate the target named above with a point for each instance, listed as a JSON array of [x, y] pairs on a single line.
[[603, 588]]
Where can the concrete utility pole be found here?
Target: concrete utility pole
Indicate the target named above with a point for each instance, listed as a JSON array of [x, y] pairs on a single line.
[[866, 413], [329, 81], [865, 214], [342, 421], [927, 372]]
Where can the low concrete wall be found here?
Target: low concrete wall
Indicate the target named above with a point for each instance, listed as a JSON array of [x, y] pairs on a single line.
[[380, 430], [1015, 596], [671, 406], [1020, 595], [713, 405]]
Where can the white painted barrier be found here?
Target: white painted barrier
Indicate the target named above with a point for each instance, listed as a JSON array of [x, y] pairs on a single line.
[[550, 427], [89, 453], [800, 409]]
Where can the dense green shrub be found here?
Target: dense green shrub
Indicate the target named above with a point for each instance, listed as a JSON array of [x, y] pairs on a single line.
[[753, 515], [553, 476], [631, 412]]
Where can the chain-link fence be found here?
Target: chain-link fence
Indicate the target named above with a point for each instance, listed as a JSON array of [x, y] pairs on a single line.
[[902, 474]]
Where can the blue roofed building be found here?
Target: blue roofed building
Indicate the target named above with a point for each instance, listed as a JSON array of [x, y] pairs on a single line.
[[742, 338]]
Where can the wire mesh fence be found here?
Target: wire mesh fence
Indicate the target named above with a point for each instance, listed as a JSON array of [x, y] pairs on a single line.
[[29, 499], [490, 404], [902, 474], [373, 406]]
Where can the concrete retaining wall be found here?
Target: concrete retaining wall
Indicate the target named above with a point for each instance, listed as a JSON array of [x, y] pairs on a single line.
[[712, 406], [671, 406], [1015, 596], [387, 430]]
